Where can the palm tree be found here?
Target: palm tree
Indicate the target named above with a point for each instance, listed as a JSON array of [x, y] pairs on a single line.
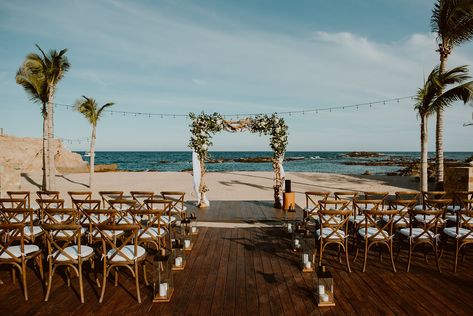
[[39, 75], [452, 20], [88, 107], [432, 97]]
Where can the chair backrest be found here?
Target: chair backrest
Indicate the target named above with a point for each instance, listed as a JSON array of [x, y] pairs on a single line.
[[407, 195], [149, 220], [346, 195], [159, 204], [333, 215], [381, 220], [459, 196], [362, 205], [140, 197], [433, 195], [123, 208], [21, 195], [107, 196], [12, 233], [12, 203], [110, 243], [61, 236], [63, 216], [438, 203], [79, 195], [176, 197], [467, 204], [50, 203], [429, 219], [375, 195], [312, 199], [42, 195]]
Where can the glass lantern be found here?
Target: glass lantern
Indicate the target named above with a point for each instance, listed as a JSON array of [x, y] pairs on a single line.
[[193, 224], [163, 286], [290, 220], [298, 235], [307, 253], [178, 255], [324, 288], [185, 226]]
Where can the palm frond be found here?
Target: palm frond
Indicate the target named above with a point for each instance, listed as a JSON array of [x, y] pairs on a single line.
[[102, 108], [463, 92], [88, 107], [452, 20]]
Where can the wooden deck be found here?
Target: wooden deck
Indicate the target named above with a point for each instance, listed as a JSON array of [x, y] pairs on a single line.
[[251, 271]]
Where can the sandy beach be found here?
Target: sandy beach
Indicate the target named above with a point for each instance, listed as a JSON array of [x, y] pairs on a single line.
[[233, 186]]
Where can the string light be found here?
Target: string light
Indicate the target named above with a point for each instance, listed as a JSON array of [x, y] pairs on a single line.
[[238, 115]]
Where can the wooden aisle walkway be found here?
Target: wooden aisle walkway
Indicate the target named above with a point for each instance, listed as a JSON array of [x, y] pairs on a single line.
[[251, 271]]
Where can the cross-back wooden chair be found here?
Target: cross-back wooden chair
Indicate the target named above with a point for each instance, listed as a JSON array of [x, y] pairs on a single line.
[[66, 250], [107, 196], [347, 196], [128, 254], [423, 230], [333, 229], [457, 204], [123, 208], [177, 207], [20, 214], [152, 231], [45, 195], [25, 195], [377, 229], [79, 195], [166, 206], [46, 203], [462, 232], [140, 197], [404, 201], [95, 217], [312, 199], [15, 253]]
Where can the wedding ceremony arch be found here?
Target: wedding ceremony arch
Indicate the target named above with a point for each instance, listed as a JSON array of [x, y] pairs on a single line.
[[205, 125]]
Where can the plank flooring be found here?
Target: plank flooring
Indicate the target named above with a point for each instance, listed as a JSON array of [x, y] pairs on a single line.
[[251, 271]]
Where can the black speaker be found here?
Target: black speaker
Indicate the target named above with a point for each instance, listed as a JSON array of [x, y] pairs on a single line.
[[287, 186]]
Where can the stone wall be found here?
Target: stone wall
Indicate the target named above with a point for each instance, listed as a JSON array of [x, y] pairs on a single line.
[[458, 179]]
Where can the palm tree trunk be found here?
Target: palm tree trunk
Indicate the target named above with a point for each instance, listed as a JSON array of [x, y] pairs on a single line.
[[439, 166], [45, 181], [51, 144], [92, 157], [424, 162]]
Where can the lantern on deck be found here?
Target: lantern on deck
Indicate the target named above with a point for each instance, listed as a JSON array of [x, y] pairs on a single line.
[[163, 285], [324, 288], [307, 252], [178, 255], [193, 224], [290, 220]]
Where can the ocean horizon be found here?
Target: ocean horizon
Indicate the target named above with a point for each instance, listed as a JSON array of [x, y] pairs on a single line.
[[297, 161]]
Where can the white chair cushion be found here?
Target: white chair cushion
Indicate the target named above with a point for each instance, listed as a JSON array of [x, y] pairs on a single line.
[[19, 218], [398, 219], [365, 207], [356, 219], [371, 232], [126, 253], [419, 207], [310, 210], [167, 219], [416, 232], [462, 232], [424, 219], [152, 232], [95, 219], [453, 208], [32, 231], [68, 233], [108, 233], [326, 231], [127, 219], [180, 209], [73, 251], [16, 251]]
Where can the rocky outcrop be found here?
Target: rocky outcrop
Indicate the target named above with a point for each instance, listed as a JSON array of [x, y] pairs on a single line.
[[362, 154], [25, 154]]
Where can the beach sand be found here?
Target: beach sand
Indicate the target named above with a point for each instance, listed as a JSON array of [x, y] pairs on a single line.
[[238, 185]]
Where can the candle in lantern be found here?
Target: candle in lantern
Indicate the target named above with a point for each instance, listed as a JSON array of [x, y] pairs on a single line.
[[321, 289], [308, 265], [296, 243], [324, 297], [163, 289], [289, 228], [305, 258], [178, 261], [187, 243], [194, 229]]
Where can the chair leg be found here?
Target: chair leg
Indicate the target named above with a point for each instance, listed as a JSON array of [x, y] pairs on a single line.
[[455, 260], [40, 266], [144, 273], [23, 279], [116, 276], [346, 257], [366, 255], [104, 281], [137, 282], [436, 256], [81, 287], [13, 275], [50, 281], [409, 257], [391, 255]]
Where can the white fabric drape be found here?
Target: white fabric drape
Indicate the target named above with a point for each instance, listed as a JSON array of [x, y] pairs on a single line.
[[196, 171]]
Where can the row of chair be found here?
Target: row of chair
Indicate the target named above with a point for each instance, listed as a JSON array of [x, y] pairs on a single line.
[[371, 219], [116, 231]]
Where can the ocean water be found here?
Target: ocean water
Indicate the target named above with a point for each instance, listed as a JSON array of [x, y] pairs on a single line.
[[310, 161]]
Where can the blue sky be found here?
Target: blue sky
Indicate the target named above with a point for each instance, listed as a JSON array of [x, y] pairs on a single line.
[[232, 57]]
